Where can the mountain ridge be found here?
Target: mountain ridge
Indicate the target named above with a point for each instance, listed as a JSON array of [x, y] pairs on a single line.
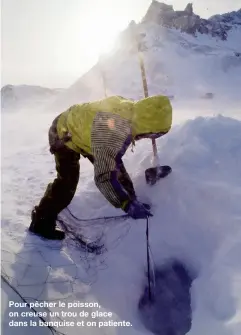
[[14, 96], [179, 62], [189, 22]]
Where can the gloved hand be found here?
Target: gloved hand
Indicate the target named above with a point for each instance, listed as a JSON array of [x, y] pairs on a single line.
[[147, 206], [137, 210]]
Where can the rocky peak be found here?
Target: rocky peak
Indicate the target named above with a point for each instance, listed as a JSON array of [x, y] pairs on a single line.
[[189, 9], [228, 18], [187, 21]]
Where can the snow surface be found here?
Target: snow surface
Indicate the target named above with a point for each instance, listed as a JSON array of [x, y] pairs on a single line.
[[197, 212], [16, 97], [177, 64], [197, 218]]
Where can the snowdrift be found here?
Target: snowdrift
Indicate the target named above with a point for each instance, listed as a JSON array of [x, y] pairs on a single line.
[[17, 97], [197, 219], [180, 65]]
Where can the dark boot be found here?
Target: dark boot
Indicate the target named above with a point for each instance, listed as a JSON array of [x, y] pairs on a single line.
[[45, 226]]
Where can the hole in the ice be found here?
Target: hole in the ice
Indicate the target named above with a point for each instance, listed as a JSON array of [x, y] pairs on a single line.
[[169, 310]]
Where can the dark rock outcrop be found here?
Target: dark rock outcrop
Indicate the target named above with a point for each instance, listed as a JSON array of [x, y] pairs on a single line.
[[217, 26], [228, 18]]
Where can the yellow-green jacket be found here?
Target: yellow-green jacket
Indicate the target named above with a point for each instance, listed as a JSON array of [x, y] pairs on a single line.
[[105, 129]]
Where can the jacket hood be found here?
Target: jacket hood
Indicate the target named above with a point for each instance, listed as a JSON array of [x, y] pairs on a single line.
[[115, 104], [152, 115]]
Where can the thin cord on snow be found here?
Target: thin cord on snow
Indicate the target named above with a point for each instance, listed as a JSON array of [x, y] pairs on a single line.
[[104, 218], [153, 267], [148, 258], [52, 329], [100, 225], [150, 262], [93, 246], [38, 294], [81, 268]]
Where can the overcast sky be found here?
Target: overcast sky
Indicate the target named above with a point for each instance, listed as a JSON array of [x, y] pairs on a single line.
[[53, 42]]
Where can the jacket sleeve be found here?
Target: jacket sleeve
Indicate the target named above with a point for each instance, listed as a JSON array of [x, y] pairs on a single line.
[[126, 181], [110, 138]]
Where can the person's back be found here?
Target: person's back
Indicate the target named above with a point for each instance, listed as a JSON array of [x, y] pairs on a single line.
[[101, 131], [78, 120]]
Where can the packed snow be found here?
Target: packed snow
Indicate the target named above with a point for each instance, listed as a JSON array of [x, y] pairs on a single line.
[[197, 212], [197, 219], [14, 98], [179, 65]]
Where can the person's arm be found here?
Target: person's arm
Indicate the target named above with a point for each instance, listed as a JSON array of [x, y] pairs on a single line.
[[126, 181], [110, 138], [106, 172]]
